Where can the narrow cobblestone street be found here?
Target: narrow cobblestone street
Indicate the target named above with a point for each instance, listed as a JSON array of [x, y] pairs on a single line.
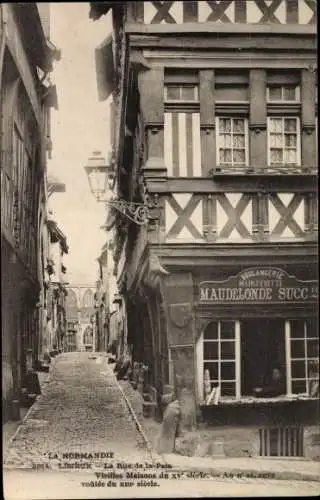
[[81, 410]]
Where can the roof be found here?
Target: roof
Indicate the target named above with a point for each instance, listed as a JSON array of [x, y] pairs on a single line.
[[105, 68], [34, 37], [98, 9]]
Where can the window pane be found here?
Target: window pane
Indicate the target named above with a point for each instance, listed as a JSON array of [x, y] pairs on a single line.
[[290, 140], [238, 126], [213, 370], [227, 329], [299, 386], [312, 328], [289, 93], [228, 371], [188, 93], [275, 93], [225, 141], [313, 348], [290, 125], [225, 125], [228, 389], [313, 368], [297, 328], [276, 140], [173, 92], [210, 350], [298, 369], [276, 155], [239, 156], [290, 156], [227, 350], [297, 349], [276, 125], [211, 332], [238, 141], [225, 156]]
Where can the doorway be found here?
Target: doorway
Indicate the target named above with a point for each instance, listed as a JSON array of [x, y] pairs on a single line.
[[262, 347]]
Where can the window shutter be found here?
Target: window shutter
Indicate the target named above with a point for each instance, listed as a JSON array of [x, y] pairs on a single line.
[[151, 87], [207, 120], [308, 118], [258, 118]]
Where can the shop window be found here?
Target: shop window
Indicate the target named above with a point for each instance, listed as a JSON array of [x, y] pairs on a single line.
[[182, 148], [283, 141], [303, 355], [232, 141], [262, 350], [220, 358]]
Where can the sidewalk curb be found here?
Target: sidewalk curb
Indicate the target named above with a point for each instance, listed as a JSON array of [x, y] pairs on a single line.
[[27, 415]]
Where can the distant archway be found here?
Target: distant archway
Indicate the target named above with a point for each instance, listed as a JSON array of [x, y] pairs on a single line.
[[88, 298], [88, 336]]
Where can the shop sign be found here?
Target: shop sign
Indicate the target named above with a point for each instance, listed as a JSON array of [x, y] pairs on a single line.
[[259, 285]]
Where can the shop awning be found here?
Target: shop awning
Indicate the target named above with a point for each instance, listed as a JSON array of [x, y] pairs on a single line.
[[105, 68]]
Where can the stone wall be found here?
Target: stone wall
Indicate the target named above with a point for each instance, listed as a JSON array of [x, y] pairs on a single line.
[[236, 442]]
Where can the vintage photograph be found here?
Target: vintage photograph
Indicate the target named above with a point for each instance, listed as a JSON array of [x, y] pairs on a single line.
[[159, 249]]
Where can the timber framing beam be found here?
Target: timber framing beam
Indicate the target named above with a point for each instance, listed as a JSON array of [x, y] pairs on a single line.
[[257, 41], [175, 256], [234, 184], [220, 28]]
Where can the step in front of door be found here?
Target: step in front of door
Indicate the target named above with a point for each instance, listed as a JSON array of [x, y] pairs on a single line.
[[281, 442]]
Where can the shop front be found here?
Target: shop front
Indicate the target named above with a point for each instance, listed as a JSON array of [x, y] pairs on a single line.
[[257, 350]]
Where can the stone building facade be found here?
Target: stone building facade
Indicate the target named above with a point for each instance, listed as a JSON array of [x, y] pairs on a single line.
[[26, 57], [214, 132], [110, 319], [80, 318]]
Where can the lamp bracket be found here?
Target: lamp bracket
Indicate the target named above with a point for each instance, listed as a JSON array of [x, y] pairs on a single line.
[[139, 213]]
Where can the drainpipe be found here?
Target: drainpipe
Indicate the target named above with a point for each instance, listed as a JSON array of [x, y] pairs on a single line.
[[3, 19]]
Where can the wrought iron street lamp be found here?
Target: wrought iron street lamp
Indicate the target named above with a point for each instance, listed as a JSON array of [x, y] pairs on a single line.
[[101, 181]]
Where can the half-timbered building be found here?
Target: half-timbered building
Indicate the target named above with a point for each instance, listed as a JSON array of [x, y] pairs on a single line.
[[26, 56], [214, 130]]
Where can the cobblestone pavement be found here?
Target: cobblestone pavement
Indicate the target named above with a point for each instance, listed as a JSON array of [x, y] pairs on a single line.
[[81, 410]]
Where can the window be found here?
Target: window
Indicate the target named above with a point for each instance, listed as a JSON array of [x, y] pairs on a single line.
[[221, 341], [302, 354], [182, 148], [71, 325], [283, 141], [283, 93], [232, 141], [181, 93]]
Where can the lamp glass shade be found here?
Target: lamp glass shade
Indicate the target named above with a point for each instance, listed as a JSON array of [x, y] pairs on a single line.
[[98, 180]]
